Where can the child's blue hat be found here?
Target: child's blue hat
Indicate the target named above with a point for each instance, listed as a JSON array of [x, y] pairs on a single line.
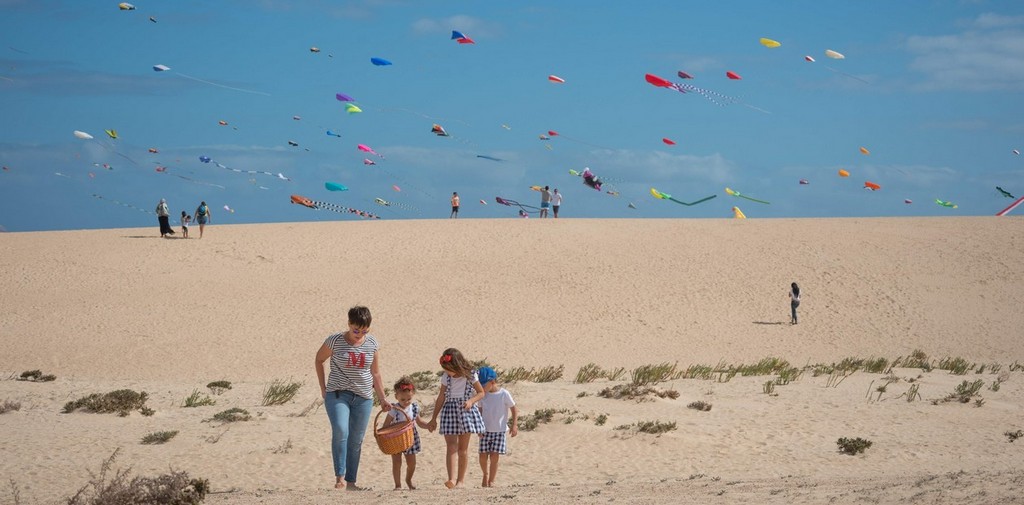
[[487, 374]]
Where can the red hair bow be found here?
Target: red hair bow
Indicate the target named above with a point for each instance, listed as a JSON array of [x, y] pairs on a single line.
[[447, 358], [407, 387]]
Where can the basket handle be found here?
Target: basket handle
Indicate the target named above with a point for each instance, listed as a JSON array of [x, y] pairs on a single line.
[[375, 418]]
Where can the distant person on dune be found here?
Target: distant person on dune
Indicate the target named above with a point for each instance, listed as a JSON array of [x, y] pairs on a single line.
[[163, 215], [794, 301]]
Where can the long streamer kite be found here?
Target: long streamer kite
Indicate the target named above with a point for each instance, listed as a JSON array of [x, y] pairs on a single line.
[[279, 175], [1011, 207], [509, 203], [713, 97], [130, 206], [665, 196], [318, 205], [740, 195], [389, 203]]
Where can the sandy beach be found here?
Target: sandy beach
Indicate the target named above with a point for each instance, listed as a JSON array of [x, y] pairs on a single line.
[[104, 310]]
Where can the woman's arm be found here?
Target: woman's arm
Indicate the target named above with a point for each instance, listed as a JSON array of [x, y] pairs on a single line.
[[477, 397], [322, 355], [378, 384]]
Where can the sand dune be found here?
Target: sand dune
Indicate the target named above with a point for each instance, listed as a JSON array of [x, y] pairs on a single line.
[[113, 309]]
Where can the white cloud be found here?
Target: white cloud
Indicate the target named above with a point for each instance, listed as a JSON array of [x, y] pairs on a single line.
[[988, 56]]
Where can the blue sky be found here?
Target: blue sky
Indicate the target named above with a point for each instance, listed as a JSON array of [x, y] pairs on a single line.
[[940, 112]]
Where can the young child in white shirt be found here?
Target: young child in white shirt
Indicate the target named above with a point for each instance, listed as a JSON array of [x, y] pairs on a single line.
[[494, 407]]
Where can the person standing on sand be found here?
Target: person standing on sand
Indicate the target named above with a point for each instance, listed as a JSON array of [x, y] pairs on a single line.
[[545, 201], [455, 206], [556, 202], [163, 215], [794, 301], [203, 216], [348, 392]]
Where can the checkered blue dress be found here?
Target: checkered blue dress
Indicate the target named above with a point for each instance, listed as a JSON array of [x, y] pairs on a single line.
[[400, 416], [455, 419]]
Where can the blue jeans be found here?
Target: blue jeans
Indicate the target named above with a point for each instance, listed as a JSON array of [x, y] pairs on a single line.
[[349, 414]]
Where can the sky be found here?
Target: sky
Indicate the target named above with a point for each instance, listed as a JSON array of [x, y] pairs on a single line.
[[932, 89]]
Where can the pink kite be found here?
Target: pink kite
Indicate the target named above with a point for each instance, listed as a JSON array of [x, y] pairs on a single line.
[[553, 133], [733, 75], [555, 78], [368, 149], [396, 188], [669, 141], [1011, 207]]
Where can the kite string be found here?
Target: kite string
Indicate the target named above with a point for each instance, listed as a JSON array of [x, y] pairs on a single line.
[[221, 85]]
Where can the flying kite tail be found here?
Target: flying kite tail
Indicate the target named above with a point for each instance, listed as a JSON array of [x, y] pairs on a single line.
[[1011, 207]]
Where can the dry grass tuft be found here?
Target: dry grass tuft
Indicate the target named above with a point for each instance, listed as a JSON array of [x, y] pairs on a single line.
[[122, 401], [36, 376], [9, 406], [158, 437], [218, 387], [173, 488], [699, 405]]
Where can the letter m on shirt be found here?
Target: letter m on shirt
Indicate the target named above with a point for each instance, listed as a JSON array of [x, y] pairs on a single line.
[[356, 359]]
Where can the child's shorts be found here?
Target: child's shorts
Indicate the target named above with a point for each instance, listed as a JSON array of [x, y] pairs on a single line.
[[493, 442]]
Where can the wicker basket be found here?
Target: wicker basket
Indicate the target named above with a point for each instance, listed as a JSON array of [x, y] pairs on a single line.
[[395, 438]]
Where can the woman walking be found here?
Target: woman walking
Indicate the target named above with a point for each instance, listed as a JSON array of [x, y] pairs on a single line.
[[163, 215], [794, 301]]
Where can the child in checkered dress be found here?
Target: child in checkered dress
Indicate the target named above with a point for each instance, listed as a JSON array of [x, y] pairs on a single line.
[[404, 410], [460, 417], [494, 407]]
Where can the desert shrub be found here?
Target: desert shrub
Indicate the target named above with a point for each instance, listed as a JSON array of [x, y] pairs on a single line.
[[9, 406], [158, 437], [284, 448], [513, 375], [549, 374], [36, 376], [767, 366], [655, 427], [588, 373], [769, 388], [788, 375], [218, 387], [232, 415], [121, 401], [601, 419], [146, 411], [173, 488], [280, 392], [699, 405], [965, 391], [1013, 435], [531, 421], [616, 373], [653, 374], [635, 392], [853, 446], [956, 366], [917, 359], [424, 380], [197, 399]]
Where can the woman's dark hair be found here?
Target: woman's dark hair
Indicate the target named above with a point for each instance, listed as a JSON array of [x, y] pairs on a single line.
[[796, 290], [360, 316]]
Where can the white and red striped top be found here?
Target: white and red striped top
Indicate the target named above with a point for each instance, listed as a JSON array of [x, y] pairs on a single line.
[[350, 365]]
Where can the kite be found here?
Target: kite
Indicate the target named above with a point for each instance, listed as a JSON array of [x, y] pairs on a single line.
[[737, 213], [668, 141], [229, 209], [553, 133], [872, 186], [329, 132], [342, 97], [808, 58], [154, 150], [482, 202], [314, 49], [207, 159], [111, 200], [83, 135], [222, 123], [834, 55], [333, 186], [590, 179], [945, 203], [111, 133], [164, 68], [125, 6], [1011, 207], [152, 18], [769, 43], [460, 38], [864, 150], [555, 78], [396, 188], [1004, 192], [733, 75], [665, 196], [379, 61], [367, 149], [293, 143], [713, 97], [804, 181], [492, 158], [1016, 151], [543, 137], [631, 205], [368, 161], [388, 203], [684, 75], [297, 118], [438, 130], [522, 207], [313, 204], [738, 194], [352, 108], [843, 173], [908, 201]]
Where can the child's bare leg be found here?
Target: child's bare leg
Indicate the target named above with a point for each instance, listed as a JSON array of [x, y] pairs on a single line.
[[410, 468], [494, 469], [483, 468], [452, 452], [463, 457], [396, 469]]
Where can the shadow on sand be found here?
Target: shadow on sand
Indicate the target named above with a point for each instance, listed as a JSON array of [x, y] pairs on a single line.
[[769, 322]]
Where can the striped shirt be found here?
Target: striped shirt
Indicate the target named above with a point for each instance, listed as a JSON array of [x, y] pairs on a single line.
[[350, 365]]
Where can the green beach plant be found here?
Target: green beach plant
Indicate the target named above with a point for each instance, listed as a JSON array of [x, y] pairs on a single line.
[[9, 406], [122, 402], [219, 387], [232, 415], [853, 446], [197, 399], [280, 392], [158, 437], [424, 381], [700, 405], [36, 376], [172, 488]]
